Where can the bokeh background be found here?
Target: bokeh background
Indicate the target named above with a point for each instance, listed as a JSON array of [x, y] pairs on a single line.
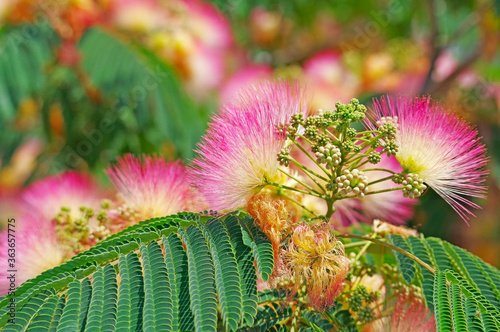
[[85, 81]]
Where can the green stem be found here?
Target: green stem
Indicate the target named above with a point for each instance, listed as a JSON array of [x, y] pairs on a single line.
[[381, 180], [355, 244], [311, 325], [307, 153], [378, 169], [363, 250], [359, 165], [333, 319], [331, 209], [390, 246], [310, 173], [299, 181], [301, 205], [277, 185]]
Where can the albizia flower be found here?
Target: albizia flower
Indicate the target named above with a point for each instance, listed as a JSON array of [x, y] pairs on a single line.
[[317, 259], [439, 147], [150, 187], [237, 156], [37, 249], [407, 314], [390, 206], [70, 190]]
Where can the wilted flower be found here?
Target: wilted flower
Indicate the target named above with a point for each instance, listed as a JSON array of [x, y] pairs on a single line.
[[273, 215], [317, 259], [238, 153], [437, 147], [150, 187], [383, 228]]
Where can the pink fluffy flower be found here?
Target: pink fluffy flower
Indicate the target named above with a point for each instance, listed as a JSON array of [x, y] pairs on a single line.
[[37, 249], [389, 206], [150, 187], [439, 147], [70, 189], [238, 153], [407, 313]]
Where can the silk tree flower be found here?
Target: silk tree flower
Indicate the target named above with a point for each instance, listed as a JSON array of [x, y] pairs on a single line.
[[389, 206], [329, 78], [70, 190], [407, 313], [237, 156], [150, 187], [316, 259], [37, 249], [437, 147]]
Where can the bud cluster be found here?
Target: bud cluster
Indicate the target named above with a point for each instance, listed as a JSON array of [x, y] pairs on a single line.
[[329, 155], [413, 184], [80, 233], [353, 181]]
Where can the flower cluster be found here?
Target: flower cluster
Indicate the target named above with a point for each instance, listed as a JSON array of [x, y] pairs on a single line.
[[67, 214], [436, 149], [316, 260], [300, 173], [324, 166]]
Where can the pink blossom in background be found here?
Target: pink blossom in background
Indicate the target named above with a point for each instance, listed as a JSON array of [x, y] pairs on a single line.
[[150, 186], [446, 64], [205, 70], [208, 25], [406, 313], [242, 79], [37, 249], [71, 189], [329, 79], [138, 15]]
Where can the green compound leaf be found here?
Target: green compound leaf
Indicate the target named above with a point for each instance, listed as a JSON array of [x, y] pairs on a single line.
[[463, 293], [75, 312], [157, 312], [102, 311], [131, 294], [227, 276], [186, 272], [202, 280], [262, 248], [177, 267]]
